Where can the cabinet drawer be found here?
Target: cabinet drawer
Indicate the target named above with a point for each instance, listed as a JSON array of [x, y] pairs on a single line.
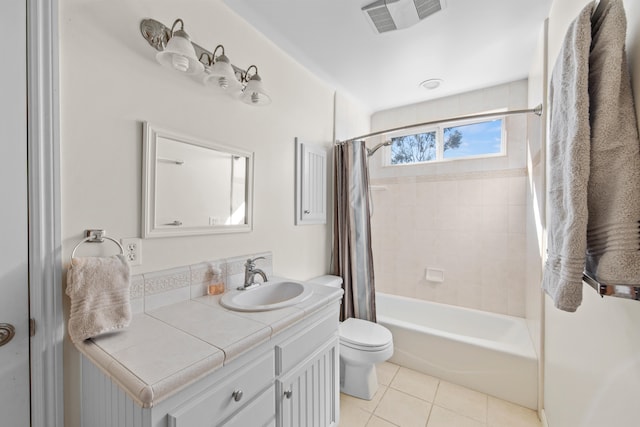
[[259, 413], [218, 402], [296, 348]]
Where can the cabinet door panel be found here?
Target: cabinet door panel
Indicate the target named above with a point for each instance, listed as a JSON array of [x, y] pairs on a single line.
[[311, 184], [308, 395]]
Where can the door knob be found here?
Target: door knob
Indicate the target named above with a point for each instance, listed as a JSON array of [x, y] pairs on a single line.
[[7, 332]]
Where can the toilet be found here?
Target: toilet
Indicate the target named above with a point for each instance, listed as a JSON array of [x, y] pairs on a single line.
[[362, 345]]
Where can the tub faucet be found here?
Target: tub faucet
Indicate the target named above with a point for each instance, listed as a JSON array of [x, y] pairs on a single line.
[[250, 271]]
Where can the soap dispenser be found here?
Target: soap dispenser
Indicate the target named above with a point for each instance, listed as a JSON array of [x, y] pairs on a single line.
[[216, 284]]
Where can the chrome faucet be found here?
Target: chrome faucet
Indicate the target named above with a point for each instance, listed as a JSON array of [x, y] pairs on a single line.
[[250, 272]]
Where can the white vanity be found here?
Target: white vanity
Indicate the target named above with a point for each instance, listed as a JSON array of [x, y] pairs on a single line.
[[195, 363]]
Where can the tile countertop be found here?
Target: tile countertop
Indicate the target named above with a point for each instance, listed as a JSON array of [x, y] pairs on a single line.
[[168, 348]]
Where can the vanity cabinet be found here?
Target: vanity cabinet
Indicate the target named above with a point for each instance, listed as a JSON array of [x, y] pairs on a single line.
[[292, 379]]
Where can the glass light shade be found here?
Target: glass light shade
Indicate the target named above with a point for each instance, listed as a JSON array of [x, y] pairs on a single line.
[[253, 93], [222, 76], [180, 55]]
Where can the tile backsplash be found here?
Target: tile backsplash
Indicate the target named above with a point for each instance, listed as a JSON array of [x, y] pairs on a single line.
[[472, 226], [156, 289]]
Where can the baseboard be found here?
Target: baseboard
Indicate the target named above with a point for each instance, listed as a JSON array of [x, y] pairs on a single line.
[[543, 418]]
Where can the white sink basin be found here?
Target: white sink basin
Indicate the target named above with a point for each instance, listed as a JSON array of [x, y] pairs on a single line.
[[268, 296]]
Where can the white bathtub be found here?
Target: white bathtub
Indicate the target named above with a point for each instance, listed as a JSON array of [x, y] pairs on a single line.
[[488, 352]]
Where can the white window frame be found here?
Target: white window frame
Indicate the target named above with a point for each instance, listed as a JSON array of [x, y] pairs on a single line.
[[439, 130]]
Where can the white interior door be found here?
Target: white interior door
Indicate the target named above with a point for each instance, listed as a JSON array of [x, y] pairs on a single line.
[[14, 291]]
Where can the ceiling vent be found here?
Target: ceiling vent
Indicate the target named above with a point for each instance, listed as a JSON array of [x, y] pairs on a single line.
[[389, 15]]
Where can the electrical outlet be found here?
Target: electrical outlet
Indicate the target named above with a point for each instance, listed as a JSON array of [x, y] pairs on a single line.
[[132, 250]]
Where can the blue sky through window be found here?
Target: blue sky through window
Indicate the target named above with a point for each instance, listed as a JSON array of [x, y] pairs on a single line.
[[477, 139]]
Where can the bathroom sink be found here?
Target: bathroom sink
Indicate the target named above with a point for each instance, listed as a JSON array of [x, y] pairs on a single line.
[[267, 296]]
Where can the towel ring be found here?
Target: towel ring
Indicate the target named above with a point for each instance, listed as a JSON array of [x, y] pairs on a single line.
[[93, 238]]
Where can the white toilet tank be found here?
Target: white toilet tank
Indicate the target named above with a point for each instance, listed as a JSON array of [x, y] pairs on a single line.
[[327, 280]]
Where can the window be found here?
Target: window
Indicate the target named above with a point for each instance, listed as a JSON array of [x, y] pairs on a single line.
[[416, 148], [450, 141]]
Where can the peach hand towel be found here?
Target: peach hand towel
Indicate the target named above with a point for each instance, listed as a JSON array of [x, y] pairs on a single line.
[[99, 291]]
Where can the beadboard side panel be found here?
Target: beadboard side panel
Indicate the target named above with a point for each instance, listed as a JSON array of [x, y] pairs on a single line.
[[104, 404]]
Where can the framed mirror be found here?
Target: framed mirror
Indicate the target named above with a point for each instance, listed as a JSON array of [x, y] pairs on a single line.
[[192, 186]]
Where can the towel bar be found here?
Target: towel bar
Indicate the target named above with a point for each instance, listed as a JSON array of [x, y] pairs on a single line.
[[619, 291], [96, 236]]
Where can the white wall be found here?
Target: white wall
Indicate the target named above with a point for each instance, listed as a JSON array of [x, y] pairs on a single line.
[[351, 118], [110, 83], [466, 217], [535, 227], [592, 356]]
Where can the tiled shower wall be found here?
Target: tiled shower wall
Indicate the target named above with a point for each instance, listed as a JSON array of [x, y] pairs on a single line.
[[465, 217], [472, 226]]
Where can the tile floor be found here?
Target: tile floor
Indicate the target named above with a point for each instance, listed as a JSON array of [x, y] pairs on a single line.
[[407, 398]]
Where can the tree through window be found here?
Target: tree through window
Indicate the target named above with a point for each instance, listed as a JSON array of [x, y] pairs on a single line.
[[449, 142], [416, 148]]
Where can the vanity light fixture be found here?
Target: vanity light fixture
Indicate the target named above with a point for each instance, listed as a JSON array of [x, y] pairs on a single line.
[[253, 93], [219, 73], [177, 51]]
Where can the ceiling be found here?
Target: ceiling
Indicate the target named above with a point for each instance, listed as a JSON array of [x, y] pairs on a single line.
[[469, 44]]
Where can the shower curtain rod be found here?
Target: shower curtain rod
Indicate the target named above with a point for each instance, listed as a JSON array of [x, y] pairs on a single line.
[[537, 111]]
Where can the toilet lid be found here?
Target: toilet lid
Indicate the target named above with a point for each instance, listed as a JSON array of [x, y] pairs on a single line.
[[363, 333], [365, 348]]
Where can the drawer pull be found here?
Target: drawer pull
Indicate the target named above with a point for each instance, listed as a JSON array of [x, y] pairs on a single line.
[[288, 394], [237, 395]]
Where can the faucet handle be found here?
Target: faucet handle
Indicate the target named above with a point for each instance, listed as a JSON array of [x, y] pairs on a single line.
[[251, 262]]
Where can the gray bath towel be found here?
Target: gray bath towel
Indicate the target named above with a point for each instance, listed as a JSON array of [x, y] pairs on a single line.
[[613, 242], [569, 153], [594, 161], [99, 292]]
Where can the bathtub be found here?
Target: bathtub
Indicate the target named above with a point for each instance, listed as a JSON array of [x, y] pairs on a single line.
[[487, 352]]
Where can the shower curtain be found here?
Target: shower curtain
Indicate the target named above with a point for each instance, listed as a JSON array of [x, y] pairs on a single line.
[[352, 255]]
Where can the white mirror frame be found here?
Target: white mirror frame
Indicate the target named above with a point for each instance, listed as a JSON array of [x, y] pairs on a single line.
[[150, 229]]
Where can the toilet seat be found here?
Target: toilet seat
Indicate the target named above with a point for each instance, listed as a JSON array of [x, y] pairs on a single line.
[[366, 349], [364, 335]]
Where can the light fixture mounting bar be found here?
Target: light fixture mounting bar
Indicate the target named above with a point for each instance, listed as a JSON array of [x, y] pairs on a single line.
[[157, 35]]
